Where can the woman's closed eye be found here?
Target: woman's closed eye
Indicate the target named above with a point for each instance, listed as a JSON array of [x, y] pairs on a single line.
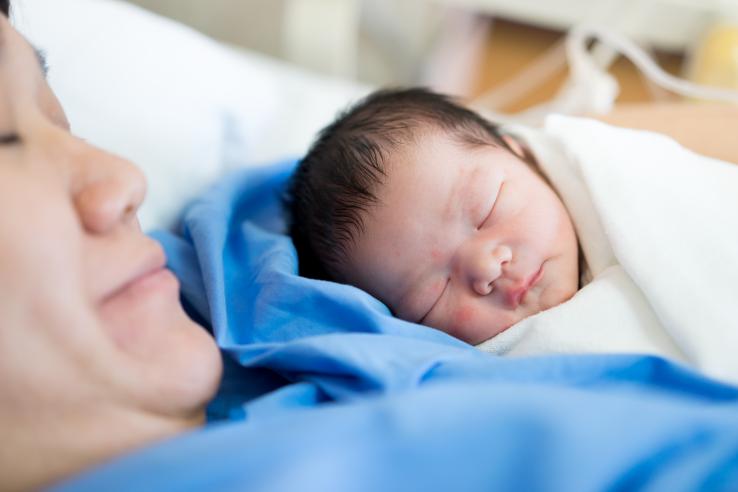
[[9, 139], [435, 303]]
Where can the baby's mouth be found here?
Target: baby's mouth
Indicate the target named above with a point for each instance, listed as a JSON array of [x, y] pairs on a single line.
[[515, 296]]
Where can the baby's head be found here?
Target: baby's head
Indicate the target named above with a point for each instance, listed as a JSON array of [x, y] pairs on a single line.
[[423, 204]]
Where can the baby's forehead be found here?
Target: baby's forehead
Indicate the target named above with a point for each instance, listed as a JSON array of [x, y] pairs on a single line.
[[435, 160], [422, 194]]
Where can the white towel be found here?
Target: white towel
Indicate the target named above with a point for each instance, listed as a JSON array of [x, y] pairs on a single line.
[[658, 225]]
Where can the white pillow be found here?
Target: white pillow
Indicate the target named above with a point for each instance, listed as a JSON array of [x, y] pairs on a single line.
[[181, 106]]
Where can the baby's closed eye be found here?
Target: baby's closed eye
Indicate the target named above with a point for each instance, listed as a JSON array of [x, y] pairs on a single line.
[[492, 207]]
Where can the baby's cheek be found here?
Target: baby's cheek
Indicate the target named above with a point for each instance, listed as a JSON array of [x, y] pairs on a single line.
[[475, 323], [464, 315], [476, 210], [436, 255], [461, 319], [434, 289]]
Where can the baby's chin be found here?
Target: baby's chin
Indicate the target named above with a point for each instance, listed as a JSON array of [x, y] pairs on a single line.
[[555, 295], [547, 298]]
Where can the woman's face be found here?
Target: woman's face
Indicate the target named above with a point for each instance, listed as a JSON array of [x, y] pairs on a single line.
[[90, 317]]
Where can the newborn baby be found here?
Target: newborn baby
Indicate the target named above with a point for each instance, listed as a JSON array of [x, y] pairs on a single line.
[[428, 207]]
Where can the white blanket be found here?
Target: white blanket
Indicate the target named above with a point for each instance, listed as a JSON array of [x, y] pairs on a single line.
[[658, 225]]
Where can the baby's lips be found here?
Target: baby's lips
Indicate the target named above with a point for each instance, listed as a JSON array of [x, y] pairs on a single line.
[[514, 295]]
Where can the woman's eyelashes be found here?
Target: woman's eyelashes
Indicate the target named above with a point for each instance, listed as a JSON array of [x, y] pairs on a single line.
[[9, 139]]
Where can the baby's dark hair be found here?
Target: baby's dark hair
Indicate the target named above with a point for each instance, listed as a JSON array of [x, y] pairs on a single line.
[[336, 182]]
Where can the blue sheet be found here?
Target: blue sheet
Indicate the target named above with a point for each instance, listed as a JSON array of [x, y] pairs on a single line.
[[324, 390]]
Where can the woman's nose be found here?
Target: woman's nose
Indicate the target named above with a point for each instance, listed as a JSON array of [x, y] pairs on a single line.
[[110, 191], [484, 266]]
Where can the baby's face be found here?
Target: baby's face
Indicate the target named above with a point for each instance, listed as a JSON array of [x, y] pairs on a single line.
[[466, 240]]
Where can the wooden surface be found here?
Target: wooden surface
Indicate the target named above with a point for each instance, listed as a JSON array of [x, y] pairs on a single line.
[[707, 128], [511, 46]]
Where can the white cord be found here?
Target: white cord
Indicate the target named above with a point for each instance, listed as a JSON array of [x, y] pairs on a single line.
[[590, 89], [579, 56]]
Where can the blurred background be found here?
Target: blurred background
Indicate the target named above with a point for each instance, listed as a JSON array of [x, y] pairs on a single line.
[[471, 48]]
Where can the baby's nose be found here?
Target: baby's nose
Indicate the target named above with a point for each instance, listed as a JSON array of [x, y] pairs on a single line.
[[487, 268]]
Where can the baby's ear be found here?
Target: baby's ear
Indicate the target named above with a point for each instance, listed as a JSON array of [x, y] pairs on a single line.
[[515, 146]]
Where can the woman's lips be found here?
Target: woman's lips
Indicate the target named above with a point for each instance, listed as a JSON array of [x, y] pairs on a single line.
[[154, 282], [515, 296], [149, 273]]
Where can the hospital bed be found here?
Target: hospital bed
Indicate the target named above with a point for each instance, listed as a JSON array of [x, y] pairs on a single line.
[[323, 390]]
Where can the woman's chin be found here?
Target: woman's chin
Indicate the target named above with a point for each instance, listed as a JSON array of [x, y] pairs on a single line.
[[176, 363], [183, 373]]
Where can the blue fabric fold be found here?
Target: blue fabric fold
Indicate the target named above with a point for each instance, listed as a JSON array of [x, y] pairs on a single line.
[[264, 315], [325, 390]]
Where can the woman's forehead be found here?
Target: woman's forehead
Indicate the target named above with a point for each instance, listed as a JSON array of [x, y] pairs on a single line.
[[23, 87], [13, 44], [5, 30]]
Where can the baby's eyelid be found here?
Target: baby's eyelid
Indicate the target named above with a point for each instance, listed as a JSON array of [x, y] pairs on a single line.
[[435, 303], [492, 209], [486, 218]]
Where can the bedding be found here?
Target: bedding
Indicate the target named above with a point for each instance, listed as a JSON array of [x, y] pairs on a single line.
[[181, 106], [324, 390], [629, 424], [659, 229]]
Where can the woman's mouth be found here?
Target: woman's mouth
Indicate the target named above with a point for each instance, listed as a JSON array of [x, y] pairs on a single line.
[[150, 275]]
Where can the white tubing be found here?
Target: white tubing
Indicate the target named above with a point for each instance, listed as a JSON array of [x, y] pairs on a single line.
[[576, 44]]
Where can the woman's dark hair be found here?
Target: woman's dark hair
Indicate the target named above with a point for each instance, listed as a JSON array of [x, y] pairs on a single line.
[[336, 182], [5, 7]]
